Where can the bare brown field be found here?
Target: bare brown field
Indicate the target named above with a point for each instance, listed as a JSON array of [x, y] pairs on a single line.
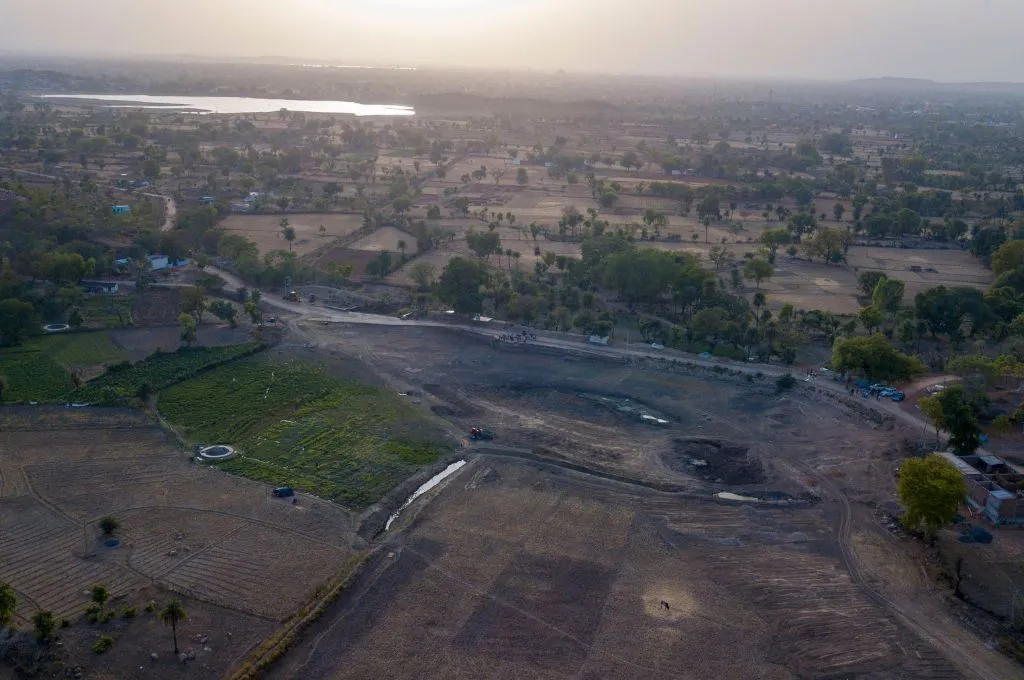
[[386, 238], [815, 285], [265, 230], [583, 543], [240, 559]]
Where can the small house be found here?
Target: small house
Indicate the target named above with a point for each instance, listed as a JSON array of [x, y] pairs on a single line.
[[123, 210]]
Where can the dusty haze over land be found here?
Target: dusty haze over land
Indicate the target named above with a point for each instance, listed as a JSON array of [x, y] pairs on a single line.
[[944, 40]]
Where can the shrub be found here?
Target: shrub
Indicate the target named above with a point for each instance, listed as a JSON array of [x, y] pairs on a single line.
[[785, 382], [64, 623], [108, 525], [104, 643], [106, 617], [129, 613], [150, 607]]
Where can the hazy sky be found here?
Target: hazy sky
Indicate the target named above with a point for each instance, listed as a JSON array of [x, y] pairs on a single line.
[[940, 39]]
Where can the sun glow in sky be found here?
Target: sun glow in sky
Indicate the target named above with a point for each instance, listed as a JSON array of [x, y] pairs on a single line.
[[941, 39]]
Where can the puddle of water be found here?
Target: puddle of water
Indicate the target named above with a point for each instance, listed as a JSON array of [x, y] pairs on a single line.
[[729, 496], [427, 486]]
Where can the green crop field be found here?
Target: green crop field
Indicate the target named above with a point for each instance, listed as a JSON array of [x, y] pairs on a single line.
[[293, 424], [81, 349], [158, 371], [107, 311], [31, 375]]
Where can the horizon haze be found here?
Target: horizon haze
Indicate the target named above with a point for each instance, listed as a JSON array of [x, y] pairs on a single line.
[[939, 40]]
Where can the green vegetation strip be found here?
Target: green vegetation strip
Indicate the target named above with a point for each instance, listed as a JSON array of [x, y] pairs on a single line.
[[31, 375], [157, 372], [295, 425]]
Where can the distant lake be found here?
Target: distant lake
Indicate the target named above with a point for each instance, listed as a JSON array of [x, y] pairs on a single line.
[[237, 104]]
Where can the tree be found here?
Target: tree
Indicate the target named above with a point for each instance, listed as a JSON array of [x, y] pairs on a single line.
[[871, 318], [483, 244], [75, 319], [423, 274], [151, 170], [17, 320], [108, 525], [193, 302], [434, 212], [932, 490], [288, 232], [460, 285], [522, 178], [188, 329], [960, 420], [826, 243], [931, 407], [867, 281], [8, 603], [837, 211], [1008, 257], [253, 310], [758, 269], [44, 624], [401, 205], [719, 256], [99, 595], [875, 358], [171, 615], [888, 296], [225, 311], [709, 208]]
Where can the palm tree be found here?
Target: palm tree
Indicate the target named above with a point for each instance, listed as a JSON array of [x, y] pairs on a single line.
[[171, 615], [516, 255], [508, 254]]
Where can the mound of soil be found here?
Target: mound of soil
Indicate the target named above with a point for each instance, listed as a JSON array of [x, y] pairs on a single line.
[[712, 460]]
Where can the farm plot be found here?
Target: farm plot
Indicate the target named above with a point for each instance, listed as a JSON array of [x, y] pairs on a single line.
[[223, 544], [387, 238], [265, 230], [158, 371], [295, 425], [157, 306], [31, 375], [553, 575], [81, 349], [107, 311], [357, 258]]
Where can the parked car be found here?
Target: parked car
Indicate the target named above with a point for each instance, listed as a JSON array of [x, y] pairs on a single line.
[[899, 396], [705, 355], [284, 492]]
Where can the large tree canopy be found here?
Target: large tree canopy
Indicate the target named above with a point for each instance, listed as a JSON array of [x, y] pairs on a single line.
[[460, 285], [931, 490], [873, 356]]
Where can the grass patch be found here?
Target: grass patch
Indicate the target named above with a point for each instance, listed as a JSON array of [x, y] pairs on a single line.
[[31, 375], [81, 349], [295, 425], [158, 371]]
